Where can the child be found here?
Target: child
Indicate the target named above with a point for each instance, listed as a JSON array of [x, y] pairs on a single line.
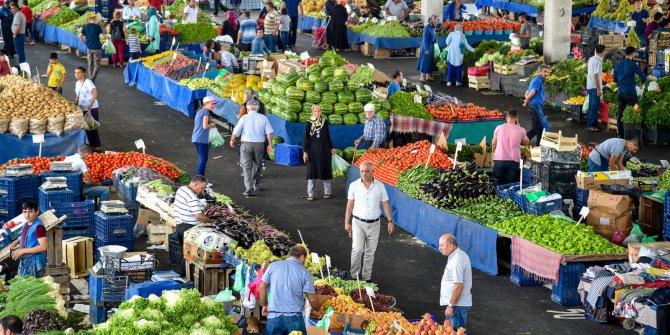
[[134, 44], [284, 27], [56, 73], [28, 13]]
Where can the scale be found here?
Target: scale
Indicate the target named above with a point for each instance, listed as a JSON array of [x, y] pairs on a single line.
[[19, 170], [54, 183], [61, 167], [113, 207]]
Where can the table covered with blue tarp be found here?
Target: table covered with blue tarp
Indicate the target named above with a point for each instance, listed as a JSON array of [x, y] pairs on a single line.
[[428, 223], [167, 90], [414, 42], [64, 145], [524, 8], [310, 23], [130, 73], [618, 27]]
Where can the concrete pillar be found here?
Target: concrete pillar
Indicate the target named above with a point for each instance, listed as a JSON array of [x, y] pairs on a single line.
[[557, 15], [430, 8]]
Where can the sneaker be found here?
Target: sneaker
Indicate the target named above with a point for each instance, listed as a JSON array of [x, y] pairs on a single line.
[[458, 83], [32, 43], [448, 84]]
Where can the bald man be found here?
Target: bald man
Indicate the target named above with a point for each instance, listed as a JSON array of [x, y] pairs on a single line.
[[365, 196], [456, 282]]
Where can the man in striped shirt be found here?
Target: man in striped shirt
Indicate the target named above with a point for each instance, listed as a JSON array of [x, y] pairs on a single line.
[[271, 26], [188, 208]]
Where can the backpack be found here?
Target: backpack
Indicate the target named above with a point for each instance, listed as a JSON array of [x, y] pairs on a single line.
[[117, 31]]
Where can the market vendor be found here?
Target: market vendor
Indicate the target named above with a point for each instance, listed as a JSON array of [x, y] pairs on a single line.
[[190, 13], [228, 60], [394, 85], [31, 254], [210, 48], [91, 188], [374, 133], [641, 18], [188, 209], [453, 11], [397, 8], [506, 143], [525, 31], [374, 8], [11, 325], [131, 12], [608, 156]]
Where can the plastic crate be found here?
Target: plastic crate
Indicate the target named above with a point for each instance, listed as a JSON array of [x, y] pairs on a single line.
[[559, 178], [10, 209], [137, 271], [97, 244], [70, 233], [79, 214], [74, 182], [666, 227], [507, 191], [564, 292], [187, 285], [46, 197], [114, 288], [17, 188], [581, 198], [287, 154], [521, 201], [113, 228], [667, 204], [648, 330], [133, 210], [520, 279], [175, 250], [129, 193], [545, 207]]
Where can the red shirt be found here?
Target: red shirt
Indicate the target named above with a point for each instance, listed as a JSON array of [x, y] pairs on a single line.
[[28, 13], [4, 68], [40, 232], [156, 4]]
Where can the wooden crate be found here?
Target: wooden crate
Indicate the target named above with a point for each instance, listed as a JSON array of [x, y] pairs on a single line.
[[63, 46], [382, 53], [60, 275], [208, 279], [78, 255], [634, 248], [612, 125], [355, 47], [54, 246], [558, 142], [504, 69], [367, 49], [479, 82]]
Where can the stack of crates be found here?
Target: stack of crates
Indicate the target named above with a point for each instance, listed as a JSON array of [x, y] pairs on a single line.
[[113, 229], [559, 178], [74, 182], [564, 292], [128, 193], [49, 197], [14, 191], [175, 250], [666, 217], [79, 220]]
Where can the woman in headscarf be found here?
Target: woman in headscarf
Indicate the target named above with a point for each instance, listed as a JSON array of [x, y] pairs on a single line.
[[231, 26], [337, 29], [425, 65], [317, 153], [153, 32], [329, 6], [456, 44]]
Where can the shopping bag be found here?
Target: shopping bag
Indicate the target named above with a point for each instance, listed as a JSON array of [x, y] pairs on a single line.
[[91, 123], [151, 49], [585, 105], [239, 277], [215, 138], [248, 298], [109, 47], [339, 166], [436, 52]]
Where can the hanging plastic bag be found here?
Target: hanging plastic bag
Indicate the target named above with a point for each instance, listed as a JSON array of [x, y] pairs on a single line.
[[151, 49], [436, 52], [91, 122], [215, 138], [339, 166], [255, 286], [248, 298], [585, 105], [109, 47], [239, 277]]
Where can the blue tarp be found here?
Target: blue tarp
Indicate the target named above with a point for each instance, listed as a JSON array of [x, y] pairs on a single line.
[[428, 223], [130, 73], [583, 10], [413, 42], [66, 144], [146, 289], [524, 8], [618, 27], [167, 90], [310, 23]]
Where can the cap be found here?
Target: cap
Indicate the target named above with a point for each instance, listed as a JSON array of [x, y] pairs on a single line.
[[369, 108], [209, 100], [92, 16]]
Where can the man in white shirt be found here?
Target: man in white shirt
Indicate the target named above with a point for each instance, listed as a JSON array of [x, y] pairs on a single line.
[[190, 13], [131, 12], [91, 189], [188, 209], [228, 60], [365, 196], [397, 8], [594, 86], [253, 128], [456, 282]]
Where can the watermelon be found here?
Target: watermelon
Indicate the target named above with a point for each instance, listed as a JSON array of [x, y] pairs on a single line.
[[326, 109], [342, 78], [313, 97], [363, 95], [328, 97], [327, 61], [314, 77], [291, 77], [304, 117], [327, 78], [377, 104], [341, 71], [271, 155], [361, 117], [340, 108], [348, 153], [353, 85], [327, 72], [295, 94], [293, 106], [386, 105], [384, 114], [304, 84], [307, 107], [290, 117], [355, 107], [350, 119], [334, 119], [321, 86], [346, 96], [339, 152], [277, 139], [359, 153], [314, 68]]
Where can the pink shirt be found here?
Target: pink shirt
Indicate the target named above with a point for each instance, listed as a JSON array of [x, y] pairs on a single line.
[[509, 137]]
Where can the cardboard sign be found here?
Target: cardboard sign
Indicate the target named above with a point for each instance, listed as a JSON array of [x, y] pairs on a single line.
[[631, 24], [417, 99], [371, 66], [38, 138], [139, 144], [328, 261], [442, 142], [315, 258], [370, 291], [459, 146], [584, 212]]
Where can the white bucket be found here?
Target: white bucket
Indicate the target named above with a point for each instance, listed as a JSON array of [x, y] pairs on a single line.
[[111, 250]]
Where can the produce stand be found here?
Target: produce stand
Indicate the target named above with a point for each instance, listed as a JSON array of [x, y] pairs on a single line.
[[412, 42], [618, 27], [310, 22], [53, 145], [472, 131], [517, 7], [168, 91]]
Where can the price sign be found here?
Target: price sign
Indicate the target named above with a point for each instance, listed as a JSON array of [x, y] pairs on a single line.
[[174, 56], [631, 24], [432, 148], [521, 164], [361, 20], [174, 40], [584, 212], [206, 66], [265, 63], [315, 258], [427, 88], [665, 163], [459, 146], [374, 20], [38, 138], [391, 18], [370, 291], [396, 325], [328, 261], [139, 144], [417, 99], [404, 82], [304, 55]]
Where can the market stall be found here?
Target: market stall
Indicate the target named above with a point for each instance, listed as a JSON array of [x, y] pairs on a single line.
[[617, 27], [533, 9], [310, 22], [65, 144]]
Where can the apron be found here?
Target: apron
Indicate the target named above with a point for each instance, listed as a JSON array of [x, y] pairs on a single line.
[[32, 265]]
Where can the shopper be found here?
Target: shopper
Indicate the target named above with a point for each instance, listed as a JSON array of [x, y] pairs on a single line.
[[284, 28], [453, 11], [426, 64], [456, 42], [5, 67], [247, 32], [317, 153], [228, 60], [624, 75], [11, 325], [210, 48], [397, 8], [338, 27], [641, 18], [271, 27], [365, 196], [258, 46], [506, 143], [374, 132], [525, 32], [534, 99], [91, 189], [131, 12], [19, 31], [117, 30], [158, 5], [55, 73], [190, 13], [252, 129], [394, 85], [28, 14], [200, 136], [7, 18], [231, 27], [90, 34], [608, 156], [294, 8], [153, 33], [456, 282], [189, 211], [134, 46], [286, 283], [236, 5], [594, 86], [652, 27], [86, 97]]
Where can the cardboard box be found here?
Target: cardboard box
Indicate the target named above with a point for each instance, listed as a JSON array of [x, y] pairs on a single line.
[[338, 320], [486, 159], [367, 49], [268, 70], [634, 248], [146, 216], [381, 77], [158, 233], [284, 66], [193, 253], [609, 203], [590, 183], [605, 224], [311, 330]]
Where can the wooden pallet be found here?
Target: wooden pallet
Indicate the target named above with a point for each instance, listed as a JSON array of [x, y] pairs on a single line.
[[60, 275], [612, 125], [504, 69], [78, 255], [381, 53], [559, 142], [479, 82], [54, 246], [208, 279]]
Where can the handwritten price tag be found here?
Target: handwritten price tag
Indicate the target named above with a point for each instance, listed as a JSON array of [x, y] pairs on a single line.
[[315, 258], [38, 138], [139, 144], [370, 291], [328, 261], [417, 99]]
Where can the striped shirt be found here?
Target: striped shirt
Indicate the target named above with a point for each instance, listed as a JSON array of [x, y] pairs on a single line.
[[271, 23], [375, 131], [186, 205], [133, 43]]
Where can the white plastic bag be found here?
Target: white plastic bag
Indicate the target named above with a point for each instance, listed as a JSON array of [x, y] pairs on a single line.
[[340, 166], [215, 138], [248, 299], [91, 122]]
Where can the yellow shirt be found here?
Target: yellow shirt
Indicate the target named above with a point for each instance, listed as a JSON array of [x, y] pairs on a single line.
[[57, 74]]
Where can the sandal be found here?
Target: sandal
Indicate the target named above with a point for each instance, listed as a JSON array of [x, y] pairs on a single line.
[[326, 196], [310, 198]]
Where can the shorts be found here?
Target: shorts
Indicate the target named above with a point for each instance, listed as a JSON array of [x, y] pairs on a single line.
[[134, 55]]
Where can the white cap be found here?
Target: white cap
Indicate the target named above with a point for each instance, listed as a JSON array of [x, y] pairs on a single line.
[[369, 108], [208, 100]]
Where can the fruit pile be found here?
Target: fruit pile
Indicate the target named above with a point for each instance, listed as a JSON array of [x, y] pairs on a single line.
[[314, 8], [100, 166], [390, 163], [167, 30], [233, 87], [342, 304], [157, 59], [578, 100], [462, 112], [458, 187], [172, 65], [382, 302], [483, 24], [39, 163], [382, 323]]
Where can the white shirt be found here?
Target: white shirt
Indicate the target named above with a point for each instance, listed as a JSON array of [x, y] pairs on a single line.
[[253, 127], [190, 15], [186, 205], [78, 164], [84, 92], [458, 270], [367, 201], [595, 66], [396, 9], [228, 59], [131, 12]]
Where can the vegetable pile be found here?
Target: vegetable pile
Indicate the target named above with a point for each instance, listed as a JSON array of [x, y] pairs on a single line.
[[383, 28], [27, 294], [458, 187], [490, 212], [381, 302], [410, 179], [195, 32], [483, 24], [39, 321], [64, 15], [402, 103], [101, 166], [259, 253], [568, 75], [39, 163], [168, 67], [462, 112]]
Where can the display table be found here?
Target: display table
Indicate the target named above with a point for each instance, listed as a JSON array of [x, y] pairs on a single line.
[[413, 42], [428, 223], [166, 90], [66, 144], [524, 8], [310, 23], [473, 132], [617, 27]]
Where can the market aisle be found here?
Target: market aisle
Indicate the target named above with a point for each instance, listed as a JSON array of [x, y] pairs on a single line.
[[406, 268]]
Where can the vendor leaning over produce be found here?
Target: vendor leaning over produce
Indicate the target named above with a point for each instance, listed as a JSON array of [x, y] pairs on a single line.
[[624, 76], [534, 100], [11, 325], [374, 133], [91, 188], [506, 143], [394, 85], [188, 208], [32, 251], [608, 156]]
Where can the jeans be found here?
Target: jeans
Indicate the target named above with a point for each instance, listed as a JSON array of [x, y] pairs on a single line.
[[457, 70], [624, 100], [203, 156], [93, 135], [30, 31], [293, 32], [59, 90], [251, 156], [603, 166], [365, 237], [536, 124], [19, 46], [594, 108], [217, 4], [284, 38], [181, 230], [460, 316], [94, 59], [506, 172], [271, 42], [119, 56], [283, 325], [101, 192], [134, 55], [311, 187]]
